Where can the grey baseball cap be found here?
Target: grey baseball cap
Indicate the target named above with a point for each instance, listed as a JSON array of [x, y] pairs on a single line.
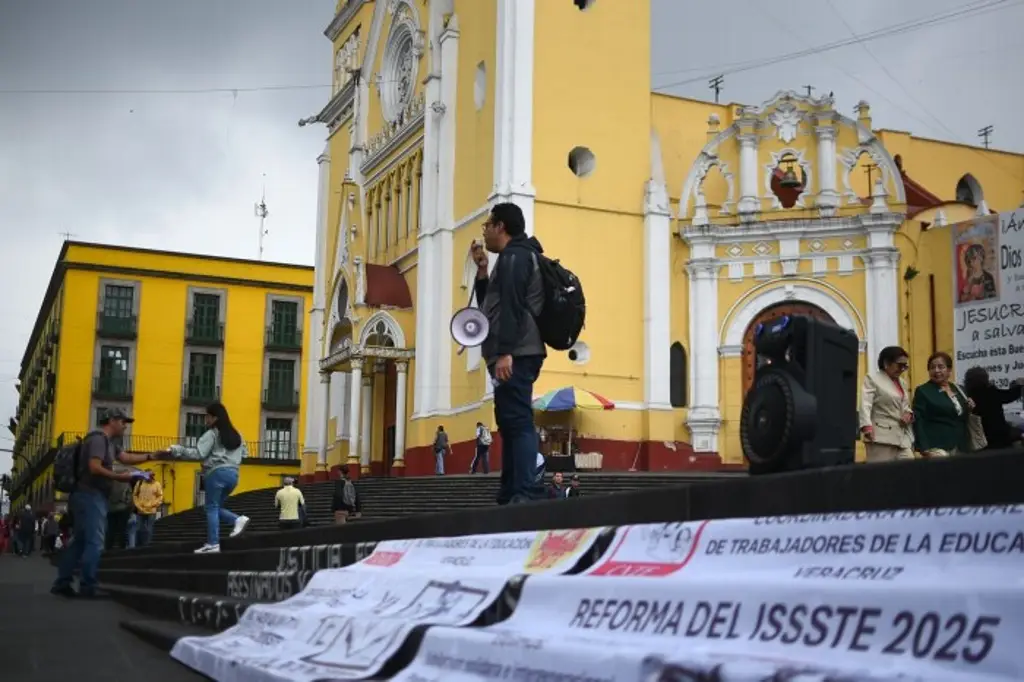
[[112, 413]]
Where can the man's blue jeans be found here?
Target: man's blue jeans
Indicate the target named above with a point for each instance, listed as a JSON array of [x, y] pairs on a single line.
[[89, 511], [218, 485], [513, 412]]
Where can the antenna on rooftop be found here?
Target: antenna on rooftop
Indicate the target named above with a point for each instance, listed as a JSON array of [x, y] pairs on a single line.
[[716, 85], [985, 133], [262, 213], [67, 235]]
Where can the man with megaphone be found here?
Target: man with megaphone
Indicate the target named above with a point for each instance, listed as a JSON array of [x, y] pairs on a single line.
[[511, 297]]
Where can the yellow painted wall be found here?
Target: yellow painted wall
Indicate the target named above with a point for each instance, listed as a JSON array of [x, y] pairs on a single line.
[[938, 166], [178, 480], [474, 150], [577, 55]]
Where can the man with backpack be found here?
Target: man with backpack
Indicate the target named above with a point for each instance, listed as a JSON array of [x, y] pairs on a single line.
[[530, 302], [483, 447], [86, 471]]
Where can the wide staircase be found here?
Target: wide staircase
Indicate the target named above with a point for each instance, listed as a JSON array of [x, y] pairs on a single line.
[[177, 593], [388, 498]]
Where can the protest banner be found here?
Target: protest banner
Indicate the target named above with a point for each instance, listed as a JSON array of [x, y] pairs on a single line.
[[858, 546], [988, 296], [348, 622], [923, 594]]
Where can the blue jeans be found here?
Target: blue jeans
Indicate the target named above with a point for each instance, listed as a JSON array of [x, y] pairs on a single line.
[[439, 462], [140, 530], [218, 485], [89, 511], [513, 412]]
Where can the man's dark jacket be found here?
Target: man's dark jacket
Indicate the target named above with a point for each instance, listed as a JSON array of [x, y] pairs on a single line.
[[511, 298]]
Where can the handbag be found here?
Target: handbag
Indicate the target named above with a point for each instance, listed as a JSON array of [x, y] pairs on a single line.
[[976, 439]]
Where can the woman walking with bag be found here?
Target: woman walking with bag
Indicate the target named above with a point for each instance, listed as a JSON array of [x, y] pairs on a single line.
[[220, 449]]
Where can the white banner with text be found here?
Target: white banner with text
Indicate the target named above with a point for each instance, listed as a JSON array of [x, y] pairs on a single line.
[[925, 595], [348, 622], [988, 296]]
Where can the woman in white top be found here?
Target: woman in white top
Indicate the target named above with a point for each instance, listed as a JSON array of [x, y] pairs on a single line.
[[886, 415]]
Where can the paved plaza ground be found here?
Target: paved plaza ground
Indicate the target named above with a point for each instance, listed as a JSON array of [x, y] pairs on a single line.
[[44, 638]]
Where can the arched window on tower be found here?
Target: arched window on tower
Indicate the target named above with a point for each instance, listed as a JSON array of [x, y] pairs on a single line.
[[968, 190], [677, 375]]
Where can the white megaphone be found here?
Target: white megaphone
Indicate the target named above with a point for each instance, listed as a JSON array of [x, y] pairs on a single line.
[[469, 328]]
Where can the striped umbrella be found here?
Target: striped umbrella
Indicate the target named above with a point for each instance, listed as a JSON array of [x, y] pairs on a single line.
[[571, 398]]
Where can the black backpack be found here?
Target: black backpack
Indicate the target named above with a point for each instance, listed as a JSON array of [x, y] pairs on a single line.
[[66, 465], [565, 307]]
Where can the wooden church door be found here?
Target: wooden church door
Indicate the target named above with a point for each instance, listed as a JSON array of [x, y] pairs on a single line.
[[771, 313]]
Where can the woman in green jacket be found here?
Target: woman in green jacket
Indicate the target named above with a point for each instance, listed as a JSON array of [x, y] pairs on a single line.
[[941, 411]]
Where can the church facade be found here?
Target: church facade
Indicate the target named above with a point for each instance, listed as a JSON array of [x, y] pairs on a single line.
[[688, 223]]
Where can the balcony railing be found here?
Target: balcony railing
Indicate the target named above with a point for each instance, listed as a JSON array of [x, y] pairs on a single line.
[[279, 450], [286, 400], [281, 338], [204, 333], [112, 388], [193, 393], [116, 327]]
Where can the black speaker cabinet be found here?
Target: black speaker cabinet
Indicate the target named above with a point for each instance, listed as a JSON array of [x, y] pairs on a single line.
[[801, 411]]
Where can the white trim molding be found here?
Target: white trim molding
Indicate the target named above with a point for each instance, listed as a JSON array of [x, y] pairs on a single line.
[[513, 107], [657, 296], [746, 309], [392, 326]]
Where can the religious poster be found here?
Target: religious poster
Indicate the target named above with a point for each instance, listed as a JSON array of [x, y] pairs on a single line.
[[927, 595], [346, 623], [988, 296]]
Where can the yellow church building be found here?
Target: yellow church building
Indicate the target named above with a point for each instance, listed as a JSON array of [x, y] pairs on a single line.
[[688, 222]]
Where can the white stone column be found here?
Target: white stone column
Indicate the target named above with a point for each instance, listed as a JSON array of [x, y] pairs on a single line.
[[316, 411], [355, 393], [749, 203], [828, 198], [401, 370], [883, 301], [657, 305], [513, 106], [325, 417], [705, 417], [365, 439]]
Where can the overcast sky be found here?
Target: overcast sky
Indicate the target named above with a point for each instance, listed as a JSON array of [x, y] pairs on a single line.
[[182, 170]]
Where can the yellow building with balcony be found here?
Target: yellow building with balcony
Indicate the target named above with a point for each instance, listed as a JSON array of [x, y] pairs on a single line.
[[163, 334], [687, 221]]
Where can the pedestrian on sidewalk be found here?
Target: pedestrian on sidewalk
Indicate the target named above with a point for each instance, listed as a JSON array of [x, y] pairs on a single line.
[[27, 531], [343, 502], [221, 451], [93, 475], [441, 448], [289, 500], [147, 497], [483, 448]]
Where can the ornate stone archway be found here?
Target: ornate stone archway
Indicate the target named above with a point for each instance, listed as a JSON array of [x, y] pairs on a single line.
[[771, 313]]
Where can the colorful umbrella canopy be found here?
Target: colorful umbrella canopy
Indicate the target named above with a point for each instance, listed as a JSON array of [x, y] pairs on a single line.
[[570, 398]]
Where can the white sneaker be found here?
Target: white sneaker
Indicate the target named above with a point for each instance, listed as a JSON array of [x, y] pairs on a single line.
[[208, 549], [240, 523]]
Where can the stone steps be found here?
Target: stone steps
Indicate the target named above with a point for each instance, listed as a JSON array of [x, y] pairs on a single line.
[[389, 498]]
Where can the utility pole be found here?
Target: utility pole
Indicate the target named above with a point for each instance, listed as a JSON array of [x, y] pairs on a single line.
[[810, 89], [869, 170], [716, 85], [262, 213], [985, 133]]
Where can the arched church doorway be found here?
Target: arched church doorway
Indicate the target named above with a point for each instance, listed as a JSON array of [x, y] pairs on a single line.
[[771, 313]]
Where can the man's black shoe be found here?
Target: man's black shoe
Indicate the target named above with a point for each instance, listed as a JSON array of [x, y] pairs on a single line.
[[65, 591]]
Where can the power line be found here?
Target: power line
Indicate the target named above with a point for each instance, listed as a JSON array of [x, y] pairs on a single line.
[[973, 9], [899, 84], [156, 91]]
